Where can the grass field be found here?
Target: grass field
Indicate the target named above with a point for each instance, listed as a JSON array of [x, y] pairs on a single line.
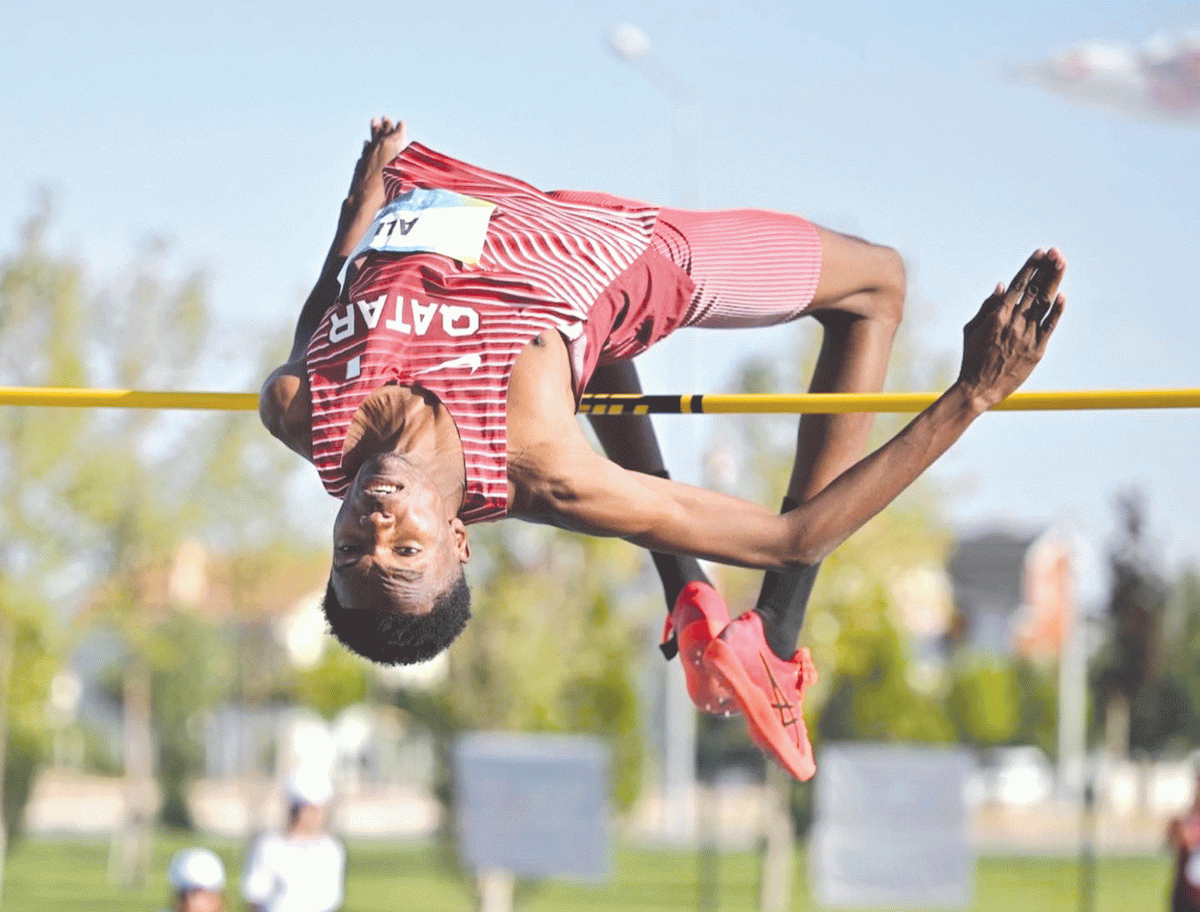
[[47, 876]]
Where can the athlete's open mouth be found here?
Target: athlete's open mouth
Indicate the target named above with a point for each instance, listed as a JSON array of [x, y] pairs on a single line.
[[382, 490]]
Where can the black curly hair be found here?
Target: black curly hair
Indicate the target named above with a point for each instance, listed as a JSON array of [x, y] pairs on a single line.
[[391, 637]]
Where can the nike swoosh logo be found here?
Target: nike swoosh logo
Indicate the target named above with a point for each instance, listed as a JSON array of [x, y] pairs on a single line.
[[474, 361]]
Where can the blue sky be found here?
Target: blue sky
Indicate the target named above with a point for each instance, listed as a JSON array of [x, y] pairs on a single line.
[[232, 131]]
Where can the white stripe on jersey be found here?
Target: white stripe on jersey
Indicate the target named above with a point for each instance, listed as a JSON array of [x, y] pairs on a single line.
[[544, 263]]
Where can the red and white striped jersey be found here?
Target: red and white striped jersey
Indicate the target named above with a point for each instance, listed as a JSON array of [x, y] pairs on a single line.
[[455, 329]]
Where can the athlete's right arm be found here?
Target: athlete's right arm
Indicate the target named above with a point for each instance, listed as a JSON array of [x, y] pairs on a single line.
[[283, 402], [630, 442]]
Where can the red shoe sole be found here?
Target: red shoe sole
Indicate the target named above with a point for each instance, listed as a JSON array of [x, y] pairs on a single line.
[[698, 618], [768, 717]]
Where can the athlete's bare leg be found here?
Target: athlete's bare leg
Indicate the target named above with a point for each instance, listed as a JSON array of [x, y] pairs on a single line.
[[629, 441], [859, 302]]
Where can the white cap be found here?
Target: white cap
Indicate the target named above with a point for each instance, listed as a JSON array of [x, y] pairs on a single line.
[[196, 869], [309, 786]]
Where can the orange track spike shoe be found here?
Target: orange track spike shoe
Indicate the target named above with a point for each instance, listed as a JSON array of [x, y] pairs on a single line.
[[768, 691], [695, 622]]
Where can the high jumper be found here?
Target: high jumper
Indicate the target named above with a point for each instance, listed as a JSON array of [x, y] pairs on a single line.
[[460, 314]]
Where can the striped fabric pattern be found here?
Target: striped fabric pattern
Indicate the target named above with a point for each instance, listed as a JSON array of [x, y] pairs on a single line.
[[752, 267], [424, 320]]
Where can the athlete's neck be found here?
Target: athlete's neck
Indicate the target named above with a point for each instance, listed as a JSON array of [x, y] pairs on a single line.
[[412, 422]]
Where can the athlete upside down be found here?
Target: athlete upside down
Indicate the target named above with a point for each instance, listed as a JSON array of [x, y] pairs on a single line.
[[436, 383]]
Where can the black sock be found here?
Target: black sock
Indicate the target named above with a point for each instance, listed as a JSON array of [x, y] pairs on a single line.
[[783, 602], [675, 571]]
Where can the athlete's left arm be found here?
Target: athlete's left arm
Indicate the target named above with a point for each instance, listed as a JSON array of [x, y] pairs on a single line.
[[363, 200], [283, 401]]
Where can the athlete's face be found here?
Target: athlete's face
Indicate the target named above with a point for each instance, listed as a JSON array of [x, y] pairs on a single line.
[[392, 539]]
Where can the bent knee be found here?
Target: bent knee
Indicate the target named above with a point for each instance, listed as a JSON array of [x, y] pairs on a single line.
[[860, 278], [883, 285], [892, 284]]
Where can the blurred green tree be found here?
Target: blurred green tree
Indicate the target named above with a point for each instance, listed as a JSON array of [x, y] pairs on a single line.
[[1176, 711], [190, 668], [339, 679], [985, 701], [99, 504], [40, 309], [553, 646], [1127, 672], [1037, 690]]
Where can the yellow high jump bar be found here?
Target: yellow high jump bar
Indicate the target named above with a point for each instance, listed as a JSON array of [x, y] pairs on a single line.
[[627, 404]]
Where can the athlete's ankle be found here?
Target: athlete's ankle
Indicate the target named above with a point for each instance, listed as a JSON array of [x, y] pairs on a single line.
[[676, 572], [779, 640], [783, 604]]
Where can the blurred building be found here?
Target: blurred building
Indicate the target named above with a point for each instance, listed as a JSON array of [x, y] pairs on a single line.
[[261, 618], [1013, 593]]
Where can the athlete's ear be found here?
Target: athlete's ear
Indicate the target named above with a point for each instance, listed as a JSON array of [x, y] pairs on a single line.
[[462, 542]]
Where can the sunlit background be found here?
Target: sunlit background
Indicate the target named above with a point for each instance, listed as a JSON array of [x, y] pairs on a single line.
[[171, 179]]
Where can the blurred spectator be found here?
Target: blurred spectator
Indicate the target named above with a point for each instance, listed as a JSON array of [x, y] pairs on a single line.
[[197, 881], [301, 869], [1184, 836]]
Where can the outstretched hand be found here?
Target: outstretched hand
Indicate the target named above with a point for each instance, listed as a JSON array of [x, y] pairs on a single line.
[[386, 142], [1007, 338]]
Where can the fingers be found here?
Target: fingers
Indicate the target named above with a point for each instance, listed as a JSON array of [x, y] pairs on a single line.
[[1056, 265], [993, 301], [1021, 281], [1051, 321], [1033, 288], [1042, 288], [1051, 272], [382, 127]]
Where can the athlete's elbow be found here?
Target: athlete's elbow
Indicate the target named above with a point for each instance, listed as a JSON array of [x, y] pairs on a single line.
[[270, 406], [276, 399], [807, 543], [809, 554]]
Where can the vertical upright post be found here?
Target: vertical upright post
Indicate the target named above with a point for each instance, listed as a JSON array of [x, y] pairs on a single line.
[[1087, 846], [1072, 696], [8, 636], [708, 857], [130, 858], [633, 46], [779, 843]]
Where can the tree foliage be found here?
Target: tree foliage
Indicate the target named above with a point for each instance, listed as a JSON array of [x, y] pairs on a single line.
[[1128, 672], [97, 503], [338, 680], [1176, 712], [39, 308], [985, 702], [552, 646]]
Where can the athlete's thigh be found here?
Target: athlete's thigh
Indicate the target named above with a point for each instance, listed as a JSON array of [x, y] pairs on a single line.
[[751, 267], [852, 268]]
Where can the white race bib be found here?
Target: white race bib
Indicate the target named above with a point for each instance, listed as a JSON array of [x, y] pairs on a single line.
[[430, 221]]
